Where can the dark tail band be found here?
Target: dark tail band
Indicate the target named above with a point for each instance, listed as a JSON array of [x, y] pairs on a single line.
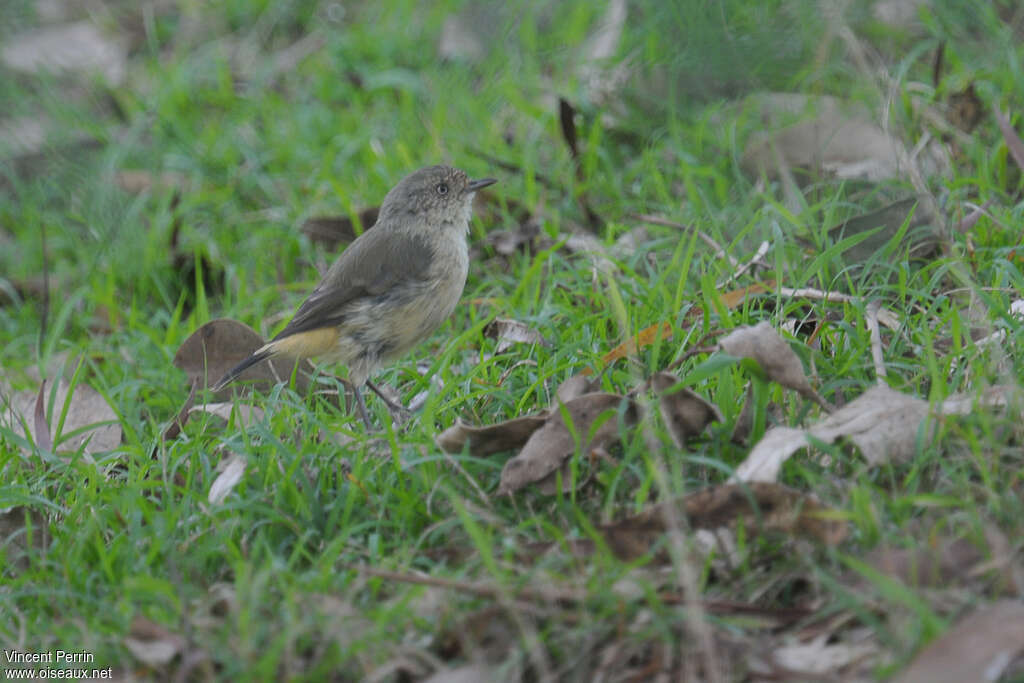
[[234, 372]]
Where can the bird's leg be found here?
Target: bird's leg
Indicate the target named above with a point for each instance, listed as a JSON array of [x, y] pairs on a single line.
[[392, 405], [362, 407]]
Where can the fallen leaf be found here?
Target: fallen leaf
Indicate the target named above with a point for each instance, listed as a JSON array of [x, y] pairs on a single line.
[[483, 441], [14, 539], [78, 47], [42, 428], [151, 643], [882, 423], [822, 655], [246, 414], [890, 219], [780, 364], [510, 332], [762, 506], [332, 231], [220, 345], [508, 242], [92, 424], [1013, 141], [551, 446], [574, 387], [902, 14], [231, 473], [686, 414], [978, 648], [830, 135], [601, 76], [734, 298], [645, 337], [945, 562]]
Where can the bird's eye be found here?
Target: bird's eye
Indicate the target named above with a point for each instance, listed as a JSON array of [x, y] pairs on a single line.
[[442, 188]]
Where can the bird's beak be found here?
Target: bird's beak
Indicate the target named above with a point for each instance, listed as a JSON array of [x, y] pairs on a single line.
[[475, 185]]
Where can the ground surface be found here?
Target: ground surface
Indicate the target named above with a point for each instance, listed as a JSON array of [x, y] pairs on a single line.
[[663, 514]]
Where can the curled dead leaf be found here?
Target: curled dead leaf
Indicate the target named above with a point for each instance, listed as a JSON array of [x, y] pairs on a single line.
[[551, 446], [768, 507], [509, 332], [881, 422], [231, 473], [483, 441], [978, 648], [575, 386], [220, 345], [780, 364], [90, 424], [152, 644], [946, 562], [686, 414], [825, 134]]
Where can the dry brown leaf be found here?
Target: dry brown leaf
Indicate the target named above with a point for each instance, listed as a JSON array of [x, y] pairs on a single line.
[[42, 428], [152, 644], [645, 337], [78, 47], [734, 298], [220, 345], [510, 434], [551, 446], [332, 231], [945, 562], [823, 656], [1013, 141], [770, 507], [483, 441], [881, 422], [15, 541], [509, 332], [574, 387], [836, 137], [978, 648], [890, 219], [764, 345], [601, 76], [231, 471], [87, 411], [686, 414]]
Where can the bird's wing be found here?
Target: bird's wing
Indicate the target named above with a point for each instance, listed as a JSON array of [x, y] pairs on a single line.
[[374, 264]]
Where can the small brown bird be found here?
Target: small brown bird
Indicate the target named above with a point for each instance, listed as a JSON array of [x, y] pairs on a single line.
[[391, 288]]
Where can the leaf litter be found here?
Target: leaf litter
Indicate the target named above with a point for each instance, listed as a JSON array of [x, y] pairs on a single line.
[[89, 423]]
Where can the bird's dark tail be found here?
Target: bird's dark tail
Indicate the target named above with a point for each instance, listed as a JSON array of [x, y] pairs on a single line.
[[233, 373]]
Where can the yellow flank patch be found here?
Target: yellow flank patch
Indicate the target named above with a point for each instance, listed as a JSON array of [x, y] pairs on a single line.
[[308, 344]]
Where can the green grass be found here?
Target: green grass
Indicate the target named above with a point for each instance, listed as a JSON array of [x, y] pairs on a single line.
[[263, 583]]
